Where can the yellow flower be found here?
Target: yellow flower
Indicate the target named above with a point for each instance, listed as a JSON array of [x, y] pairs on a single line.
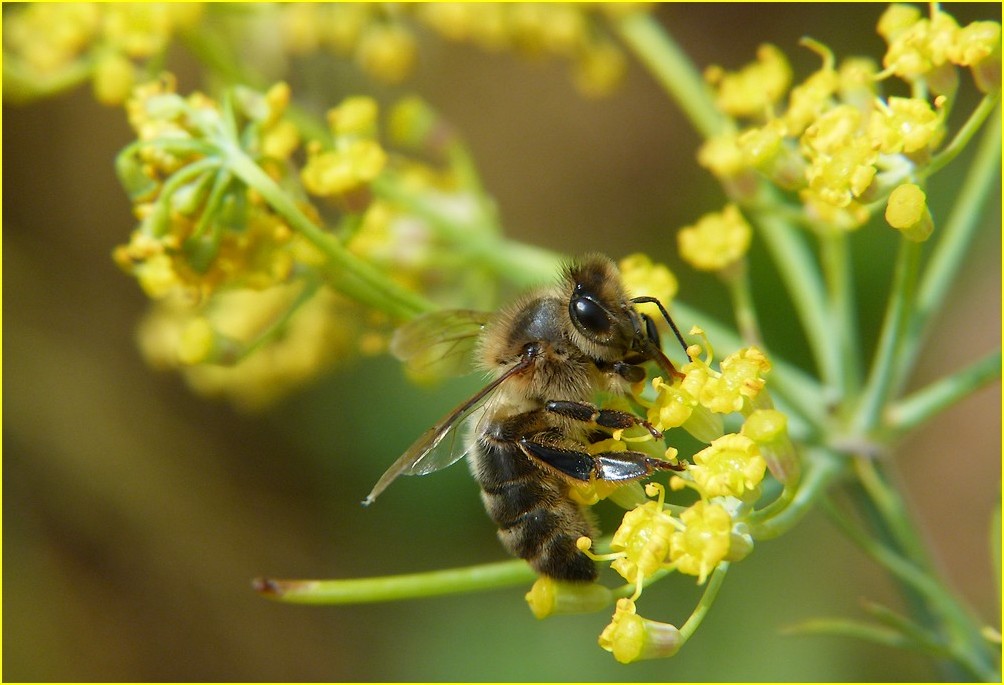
[[753, 90], [355, 116], [722, 155], [716, 241], [114, 76], [731, 466], [768, 428], [599, 68], [740, 381], [49, 36], [896, 19], [842, 158], [907, 212], [642, 277], [338, 172], [813, 96], [548, 597], [387, 52], [629, 637], [904, 125], [641, 543], [704, 541], [672, 407]]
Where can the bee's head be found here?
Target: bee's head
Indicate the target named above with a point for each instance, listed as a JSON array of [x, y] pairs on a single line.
[[606, 323]]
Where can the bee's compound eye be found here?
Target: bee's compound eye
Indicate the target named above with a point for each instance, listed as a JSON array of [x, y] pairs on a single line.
[[588, 315]]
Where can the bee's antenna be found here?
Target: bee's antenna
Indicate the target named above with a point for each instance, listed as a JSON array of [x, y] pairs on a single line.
[[665, 315]]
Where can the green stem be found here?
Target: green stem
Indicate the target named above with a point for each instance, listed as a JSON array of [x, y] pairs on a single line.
[[963, 636], [891, 509], [900, 304], [822, 469], [919, 407], [953, 242], [738, 282], [355, 277], [672, 68], [843, 323], [521, 264], [798, 270], [963, 136], [707, 599], [393, 588]]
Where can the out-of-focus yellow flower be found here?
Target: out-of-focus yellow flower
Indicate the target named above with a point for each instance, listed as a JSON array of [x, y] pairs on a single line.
[[813, 96], [644, 278], [338, 172], [629, 637], [841, 157], [904, 125], [387, 51], [756, 88], [716, 241], [321, 332], [722, 155], [704, 542], [907, 212], [729, 466]]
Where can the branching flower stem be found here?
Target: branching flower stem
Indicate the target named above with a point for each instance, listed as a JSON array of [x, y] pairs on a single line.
[[356, 277]]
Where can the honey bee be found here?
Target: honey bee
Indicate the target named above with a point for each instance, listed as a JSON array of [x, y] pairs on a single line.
[[550, 353]]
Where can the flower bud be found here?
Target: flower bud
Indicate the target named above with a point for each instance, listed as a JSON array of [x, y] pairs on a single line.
[[548, 596], [629, 637]]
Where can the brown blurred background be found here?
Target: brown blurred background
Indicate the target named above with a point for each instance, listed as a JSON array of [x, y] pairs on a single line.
[[136, 513]]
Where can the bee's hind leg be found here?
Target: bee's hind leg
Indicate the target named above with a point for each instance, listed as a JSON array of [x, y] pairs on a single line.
[[612, 466]]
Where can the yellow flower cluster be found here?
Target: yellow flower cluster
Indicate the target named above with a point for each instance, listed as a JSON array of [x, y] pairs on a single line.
[[252, 347], [931, 48], [200, 230], [655, 537], [833, 138], [382, 39], [345, 170], [109, 42], [239, 306]]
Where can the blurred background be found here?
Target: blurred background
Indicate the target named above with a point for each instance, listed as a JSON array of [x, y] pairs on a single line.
[[136, 513]]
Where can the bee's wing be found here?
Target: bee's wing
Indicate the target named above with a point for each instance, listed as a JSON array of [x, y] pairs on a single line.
[[439, 343], [423, 457]]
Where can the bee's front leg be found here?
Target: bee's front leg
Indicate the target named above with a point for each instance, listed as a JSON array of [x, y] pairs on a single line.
[[607, 418]]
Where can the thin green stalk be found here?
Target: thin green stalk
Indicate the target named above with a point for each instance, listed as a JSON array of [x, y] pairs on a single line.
[[715, 581], [898, 309], [965, 641], [953, 241], [520, 263], [800, 274], [822, 469], [393, 588], [922, 405], [890, 507], [740, 291], [963, 136], [672, 68], [835, 253]]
